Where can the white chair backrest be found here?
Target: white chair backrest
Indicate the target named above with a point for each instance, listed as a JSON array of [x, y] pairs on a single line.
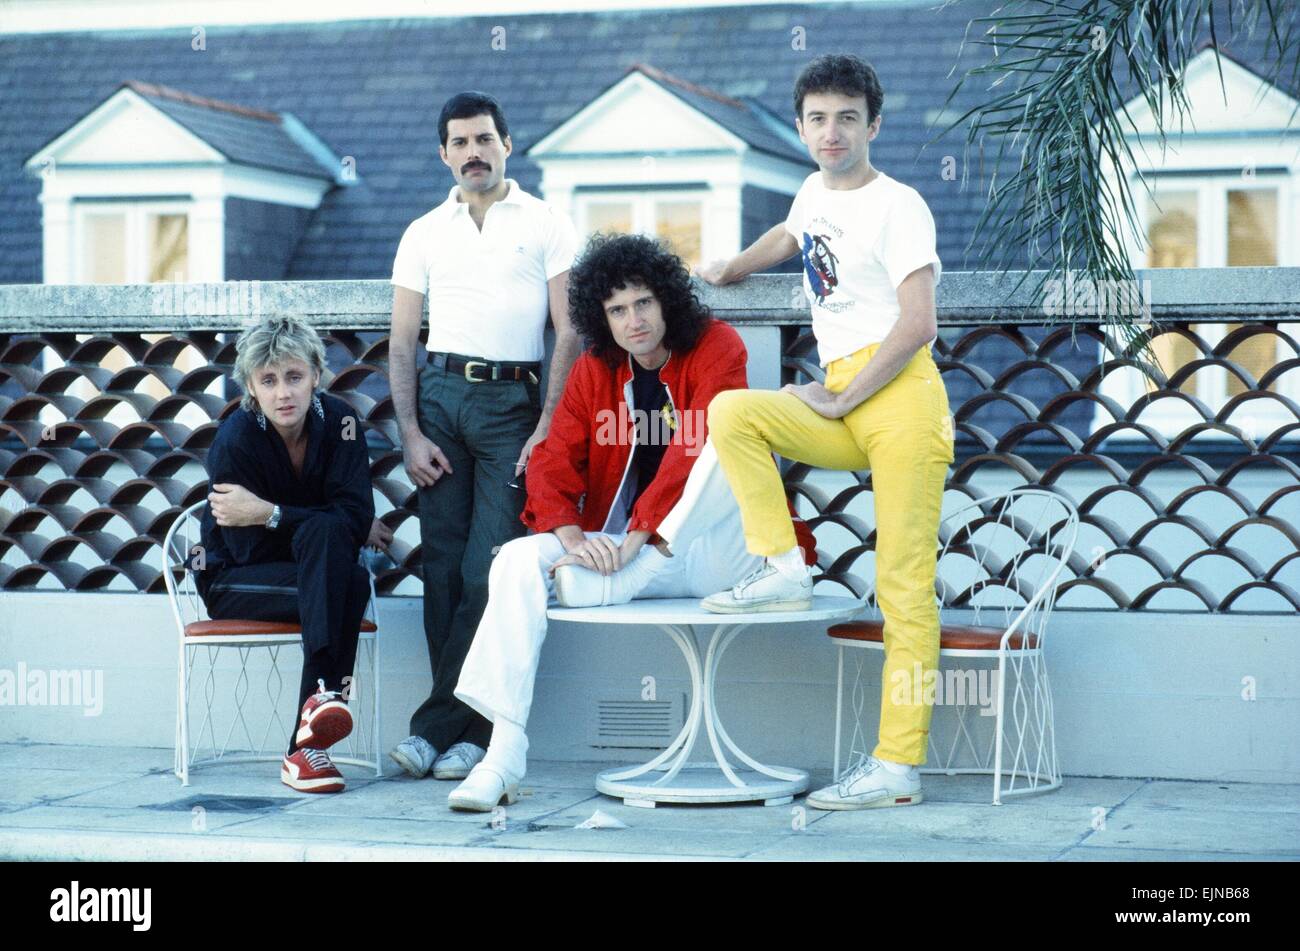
[[181, 540], [1003, 554]]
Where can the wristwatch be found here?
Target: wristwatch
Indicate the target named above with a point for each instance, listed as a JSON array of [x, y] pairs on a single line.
[[273, 520]]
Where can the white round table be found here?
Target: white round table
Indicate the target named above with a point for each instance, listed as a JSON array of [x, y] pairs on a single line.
[[684, 620]]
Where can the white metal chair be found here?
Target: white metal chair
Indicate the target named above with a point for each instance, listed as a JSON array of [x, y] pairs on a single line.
[[1002, 556], [202, 637]]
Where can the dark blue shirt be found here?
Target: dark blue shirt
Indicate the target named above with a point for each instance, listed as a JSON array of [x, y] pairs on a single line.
[[335, 478]]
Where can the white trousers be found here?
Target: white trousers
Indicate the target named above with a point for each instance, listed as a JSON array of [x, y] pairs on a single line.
[[704, 533]]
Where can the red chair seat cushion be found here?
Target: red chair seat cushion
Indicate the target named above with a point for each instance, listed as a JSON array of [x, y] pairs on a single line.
[[238, 628], [951, 636]]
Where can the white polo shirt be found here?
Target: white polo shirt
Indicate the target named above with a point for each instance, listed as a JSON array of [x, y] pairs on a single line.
[[857, 246], [487, 289]]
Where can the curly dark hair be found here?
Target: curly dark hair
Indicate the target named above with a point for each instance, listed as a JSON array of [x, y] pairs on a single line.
[[612, 261], [843, 73]]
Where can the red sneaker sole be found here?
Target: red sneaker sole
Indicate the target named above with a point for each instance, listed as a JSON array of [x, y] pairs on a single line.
[[327, 785], [330, 723]]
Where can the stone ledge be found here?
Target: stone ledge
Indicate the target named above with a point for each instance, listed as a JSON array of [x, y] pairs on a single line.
[[963, 298]]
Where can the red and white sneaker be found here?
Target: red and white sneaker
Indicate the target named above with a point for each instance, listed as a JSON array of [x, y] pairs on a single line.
[[308, 770], [325, 720]]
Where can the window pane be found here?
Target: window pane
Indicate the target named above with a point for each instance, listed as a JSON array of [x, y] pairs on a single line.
[[1252, 228], [104, 249], [678, 223], [104, 262], [1252, 242], [1171, 234], [609, 216], [168, 248], [1171, 242]]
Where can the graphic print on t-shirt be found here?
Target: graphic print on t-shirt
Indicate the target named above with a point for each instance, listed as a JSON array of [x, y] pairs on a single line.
[[820, 265]]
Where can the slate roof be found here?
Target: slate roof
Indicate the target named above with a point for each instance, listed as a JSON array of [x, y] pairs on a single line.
[[247, 136], [372, 89], [754, 123]]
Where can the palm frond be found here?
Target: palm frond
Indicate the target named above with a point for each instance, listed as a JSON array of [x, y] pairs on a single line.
[[1054, 105]]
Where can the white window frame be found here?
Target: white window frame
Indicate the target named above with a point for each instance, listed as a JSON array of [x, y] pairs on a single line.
[[644, 202], [136, 213], [1171, 416], [135, 233]]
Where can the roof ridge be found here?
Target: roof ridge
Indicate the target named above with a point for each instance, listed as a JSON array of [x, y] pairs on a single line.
[[179, 95], [654, 72]]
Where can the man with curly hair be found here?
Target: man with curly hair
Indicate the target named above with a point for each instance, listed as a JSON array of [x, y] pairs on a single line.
[[625, 494], [870, 268]]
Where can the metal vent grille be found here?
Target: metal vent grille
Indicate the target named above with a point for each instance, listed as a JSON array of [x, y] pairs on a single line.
[[637, 724]]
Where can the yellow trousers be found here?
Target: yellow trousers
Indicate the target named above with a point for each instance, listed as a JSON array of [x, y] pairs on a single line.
[[903, 434]]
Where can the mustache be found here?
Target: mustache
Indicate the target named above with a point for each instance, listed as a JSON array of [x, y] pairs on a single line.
[[473, 165]]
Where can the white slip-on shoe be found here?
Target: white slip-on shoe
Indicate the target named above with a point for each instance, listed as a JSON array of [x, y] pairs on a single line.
[[414, 754], [868, 785], [458, 761], [483, 790], [763, 589], [580, 587]]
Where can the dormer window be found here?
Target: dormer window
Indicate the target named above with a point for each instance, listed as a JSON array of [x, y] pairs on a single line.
[[654, 154], [1212, 206], [158, 184]]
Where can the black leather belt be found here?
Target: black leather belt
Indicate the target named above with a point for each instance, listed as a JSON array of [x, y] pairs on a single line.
[[483, 371]]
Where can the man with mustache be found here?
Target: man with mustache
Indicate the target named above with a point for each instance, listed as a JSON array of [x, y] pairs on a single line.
[[492, 260]]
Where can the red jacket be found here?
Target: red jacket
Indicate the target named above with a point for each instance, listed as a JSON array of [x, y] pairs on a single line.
[[575, 474]]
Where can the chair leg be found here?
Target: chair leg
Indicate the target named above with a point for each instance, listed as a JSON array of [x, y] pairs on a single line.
[[377, 734], [182, 754], [997, 729], [839, 709], [1054, 765], [374, 690], [1045, 763]]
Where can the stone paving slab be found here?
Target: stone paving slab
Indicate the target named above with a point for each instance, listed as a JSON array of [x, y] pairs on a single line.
[[123, 821], [113, 804], [1200, 828], [1166, 855], [833, 849], [1221, 796]]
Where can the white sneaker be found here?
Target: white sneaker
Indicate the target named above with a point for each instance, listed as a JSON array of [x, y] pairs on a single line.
[[482, 791], [868, 785], [580, 587], [763, 589], [458, 761], [415, 755]]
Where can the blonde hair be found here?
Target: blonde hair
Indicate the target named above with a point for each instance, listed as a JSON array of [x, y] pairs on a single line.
[[272, 342]]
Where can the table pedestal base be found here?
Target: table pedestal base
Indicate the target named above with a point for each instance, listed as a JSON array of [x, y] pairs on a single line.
[[714, 781], [704, 782]]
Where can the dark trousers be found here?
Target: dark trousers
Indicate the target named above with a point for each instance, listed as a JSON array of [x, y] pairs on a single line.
[[464, 518], [323, 589]]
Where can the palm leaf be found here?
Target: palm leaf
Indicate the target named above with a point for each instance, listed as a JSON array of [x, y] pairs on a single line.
[[1054, 105]]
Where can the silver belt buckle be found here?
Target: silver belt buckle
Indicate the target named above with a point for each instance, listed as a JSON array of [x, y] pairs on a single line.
[[469, 365]]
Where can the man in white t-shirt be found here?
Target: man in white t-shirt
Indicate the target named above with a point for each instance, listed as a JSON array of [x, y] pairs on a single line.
[[493, 261], [868, 247]]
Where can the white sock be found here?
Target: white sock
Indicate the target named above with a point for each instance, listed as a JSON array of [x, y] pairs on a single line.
[[898, 769], [648, 561], [789, 563], [632, 578], [507, 753]]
